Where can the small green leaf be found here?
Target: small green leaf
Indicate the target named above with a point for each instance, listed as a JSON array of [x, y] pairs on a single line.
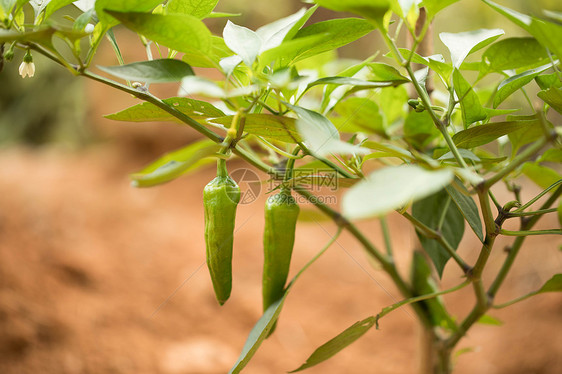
[[148, 112], [359, 114], [197, 8], [180, 32], [371, 9], [554, 284], [489, 320], [338, 343], [419, 129], [392, 188], [543, 176], [125, 6], [513, 53], [553, 97], [175, 164], [386, 73], [484, 134], [464, 43], [434, 6], [266, 125], [258, 334], [153, 71], [472, 110], [430, 211], [468, 209], [242, 41], [512, 84]]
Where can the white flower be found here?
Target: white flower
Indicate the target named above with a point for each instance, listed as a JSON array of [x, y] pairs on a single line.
[[27, 69]]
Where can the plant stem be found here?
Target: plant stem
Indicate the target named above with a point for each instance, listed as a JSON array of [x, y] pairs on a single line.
[[387, 237], [534, 199], [531, 232], [515, 301], [532, 213]]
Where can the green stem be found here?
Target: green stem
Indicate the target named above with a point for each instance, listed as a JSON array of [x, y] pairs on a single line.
[[531, 232], [515, 301], [532, 213], [534, 199], [387, 237]]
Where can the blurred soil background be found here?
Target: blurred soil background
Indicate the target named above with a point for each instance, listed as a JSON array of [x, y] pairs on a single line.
[[99, 277]]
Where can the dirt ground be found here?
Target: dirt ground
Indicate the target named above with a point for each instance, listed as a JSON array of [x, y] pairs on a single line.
[[99, 277]]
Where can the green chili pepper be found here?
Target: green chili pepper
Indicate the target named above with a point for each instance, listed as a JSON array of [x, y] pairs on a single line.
[[281, 213], [220, 197]]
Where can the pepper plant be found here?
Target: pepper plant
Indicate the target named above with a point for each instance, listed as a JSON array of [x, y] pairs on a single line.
[[405, 130]]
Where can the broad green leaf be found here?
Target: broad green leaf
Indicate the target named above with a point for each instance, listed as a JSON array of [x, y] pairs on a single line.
[[288, 52], [55, 5], [338, 343], [526, 135], [320, 135], [242, 41], [512, 84], [472, 110], [122, 6], [543, 176], [273, 34], [513, 53], [419, 129], [180, 32], [148, 112], [464, 43], [374, 10], [430, 211], [359, 114], [489, 320], [392, 188], [423, 284], [387, 73], [193, 85], [554, 284], [484, 134], [300, 23], [218, 52], [259, 332], [266, 125], [153, 71], [553, 97], [197, 8], [392, 101], [434, 6], [547, 81], [174, 164], [468, 209]]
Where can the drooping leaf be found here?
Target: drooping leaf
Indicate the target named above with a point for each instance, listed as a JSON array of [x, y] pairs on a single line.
[[513, 53], [338, 343], [434, 6], [175, 164], [371, 9], [472, 110], [468, 209], [553, 97], [392, 188], [266, 125], [153, 71], [180, 32], [464, 43], [197, 8], [430, 211], [512, 84], [543, 176], [242, 41], [148, 112], [484, 134], [124, 6], [258, 334], [554, 284]]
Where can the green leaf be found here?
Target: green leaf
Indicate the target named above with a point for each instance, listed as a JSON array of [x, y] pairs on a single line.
[[153, 71], [543, 176], [553, 97], [513, 53], [423, 284], [463, 44], [554, 284], [7, 5], [338, 343], [266, 125], [419, 129], [123, 6], [288, 52], [175, 164], [219, 51], [430, 211], [435, 6], [242, 41], [258, 334], [472, 110], [196, 8], [484, 134], [371, 9], [180, 32], [526, 135], [547, 81], [389, 150], [392, 103], [392, 188], [512, 84], [468, 209], [359, 114], [273, 34], [55, 5], [148, 112], [340, 81], [42, 35], [489, 320], [436, 63], [551, 155], [386, 73]]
